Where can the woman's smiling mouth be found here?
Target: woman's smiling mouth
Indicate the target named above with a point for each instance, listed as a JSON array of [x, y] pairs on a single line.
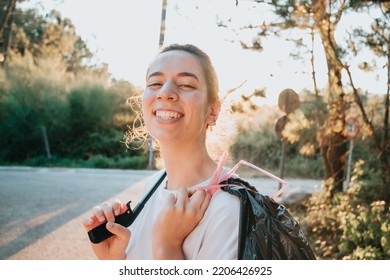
[[167, 115]]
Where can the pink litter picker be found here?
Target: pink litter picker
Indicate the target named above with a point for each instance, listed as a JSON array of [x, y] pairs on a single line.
[[215, 183]]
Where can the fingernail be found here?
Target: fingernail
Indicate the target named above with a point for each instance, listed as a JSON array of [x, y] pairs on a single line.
[[101, 218], [109, 224], [88, 221], [116, 212]]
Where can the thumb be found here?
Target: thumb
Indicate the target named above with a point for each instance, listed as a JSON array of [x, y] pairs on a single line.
[[121, 232]]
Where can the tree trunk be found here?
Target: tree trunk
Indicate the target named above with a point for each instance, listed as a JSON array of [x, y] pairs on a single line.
[[5, 30], [333, 143], [385, 139]]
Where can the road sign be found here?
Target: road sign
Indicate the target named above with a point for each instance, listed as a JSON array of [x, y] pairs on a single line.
[[288, 100], [351, 127]]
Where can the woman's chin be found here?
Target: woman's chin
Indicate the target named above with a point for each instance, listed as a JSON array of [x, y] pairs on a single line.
[[165, 135]]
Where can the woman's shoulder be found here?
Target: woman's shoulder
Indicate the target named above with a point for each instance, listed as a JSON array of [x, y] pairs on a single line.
[[225, 202]]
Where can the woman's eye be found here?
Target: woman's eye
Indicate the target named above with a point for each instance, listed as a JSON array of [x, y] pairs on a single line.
[[154, 85], [188, 86]]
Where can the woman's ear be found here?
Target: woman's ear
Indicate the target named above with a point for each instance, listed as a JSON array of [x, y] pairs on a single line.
[[215, 108]]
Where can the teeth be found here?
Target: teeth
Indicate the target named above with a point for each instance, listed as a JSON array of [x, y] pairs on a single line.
[[167, 115]]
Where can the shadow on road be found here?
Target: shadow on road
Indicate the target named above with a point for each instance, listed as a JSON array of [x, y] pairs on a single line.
[[35, 202]]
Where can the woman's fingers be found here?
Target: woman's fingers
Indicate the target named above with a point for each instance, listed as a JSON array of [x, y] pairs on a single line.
[[108, 212], [98, 212], [206, 201], [200, 199], [191, 200], [182, 198], [90, 223], [116, 206], [179, 218], [171, 199], [104, 213]]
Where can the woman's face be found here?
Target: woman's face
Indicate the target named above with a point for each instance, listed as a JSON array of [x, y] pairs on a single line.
[[175, 104]]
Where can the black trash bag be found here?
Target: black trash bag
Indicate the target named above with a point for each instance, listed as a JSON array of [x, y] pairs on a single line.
[[267, 230]]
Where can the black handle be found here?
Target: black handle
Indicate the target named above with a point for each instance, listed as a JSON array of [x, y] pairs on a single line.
[[100, 233]]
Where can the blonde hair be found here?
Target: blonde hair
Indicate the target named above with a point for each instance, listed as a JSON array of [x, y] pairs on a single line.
[[218, 137]]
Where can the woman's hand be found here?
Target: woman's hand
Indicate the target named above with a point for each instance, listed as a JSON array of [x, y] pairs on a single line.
[[182, 214], [113, 247]]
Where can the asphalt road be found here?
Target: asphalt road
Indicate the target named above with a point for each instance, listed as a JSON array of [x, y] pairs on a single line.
[[41, 209]]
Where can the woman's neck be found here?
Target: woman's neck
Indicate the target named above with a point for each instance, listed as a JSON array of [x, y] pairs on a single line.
[[187, 166]]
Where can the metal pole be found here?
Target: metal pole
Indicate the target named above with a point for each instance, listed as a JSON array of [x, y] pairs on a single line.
[[150, 153], [151, 162], [284, 145], [282, 160], [349, 164], [46, 141], [162, 25]]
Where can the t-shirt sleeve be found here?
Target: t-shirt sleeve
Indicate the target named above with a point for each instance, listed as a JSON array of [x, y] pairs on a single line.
[[220, 241]]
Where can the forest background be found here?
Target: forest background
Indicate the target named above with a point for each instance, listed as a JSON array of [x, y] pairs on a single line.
[[59, 108]]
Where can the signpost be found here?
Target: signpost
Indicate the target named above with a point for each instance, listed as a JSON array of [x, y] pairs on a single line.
[[351, 131], [288, 102]]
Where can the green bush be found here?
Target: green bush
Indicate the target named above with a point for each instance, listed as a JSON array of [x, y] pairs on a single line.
[[303, 167], [261, 147], [366, 232], [27, 105], [100, 161], [135, 162], [53, 161], [345, 226], [83, 117]]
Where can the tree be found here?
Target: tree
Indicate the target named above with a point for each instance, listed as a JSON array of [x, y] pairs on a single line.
[[322, 17], [378, 40], [48, 82], [6, 17], [49, 36]]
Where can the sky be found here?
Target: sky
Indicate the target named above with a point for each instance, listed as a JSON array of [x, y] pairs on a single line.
[[125, 34]]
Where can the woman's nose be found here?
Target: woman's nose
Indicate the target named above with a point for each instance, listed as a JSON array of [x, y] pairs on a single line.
[[168, 91]]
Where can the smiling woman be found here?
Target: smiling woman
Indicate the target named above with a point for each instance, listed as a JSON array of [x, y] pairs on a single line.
[[198, 89], [180, 221], [177, 86]]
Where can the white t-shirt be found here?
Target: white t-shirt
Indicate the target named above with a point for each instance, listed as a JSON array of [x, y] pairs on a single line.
[[214, 238]]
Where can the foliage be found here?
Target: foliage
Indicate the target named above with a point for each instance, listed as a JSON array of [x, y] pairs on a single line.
[[49, 36], [26, 105], [321, 20], [134, 162], [300, 166], [259, 147], [48, 85], [354, 224], [83, 117], [257, 143], [98, 161]]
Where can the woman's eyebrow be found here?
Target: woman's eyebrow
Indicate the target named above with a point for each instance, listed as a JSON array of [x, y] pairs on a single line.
[[188, 74], [155, 74], [181, 74]]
